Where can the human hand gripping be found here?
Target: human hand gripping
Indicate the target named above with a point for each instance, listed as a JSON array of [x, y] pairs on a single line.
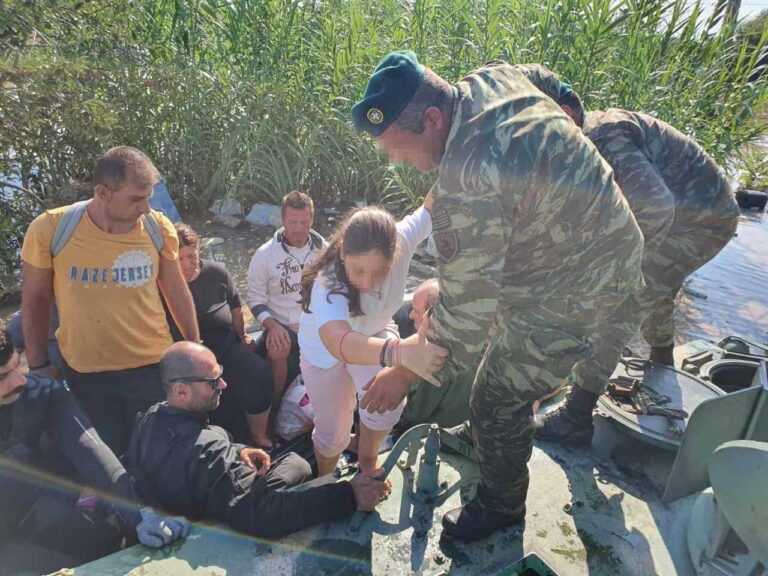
[[420, 356], [386, 390], [369, 491], [156, 531], [257, 459]]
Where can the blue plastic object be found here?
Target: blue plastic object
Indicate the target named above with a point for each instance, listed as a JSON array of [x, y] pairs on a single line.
[[161, 200]]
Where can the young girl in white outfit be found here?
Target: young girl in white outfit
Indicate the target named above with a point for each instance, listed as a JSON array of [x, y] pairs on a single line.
[[346, 332]]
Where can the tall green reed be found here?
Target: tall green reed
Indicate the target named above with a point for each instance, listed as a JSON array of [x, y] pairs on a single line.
[[249, 98]]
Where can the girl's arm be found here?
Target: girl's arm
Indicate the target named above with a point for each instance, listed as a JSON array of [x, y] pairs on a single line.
[[414, 353], [429, 200], [357, 348]]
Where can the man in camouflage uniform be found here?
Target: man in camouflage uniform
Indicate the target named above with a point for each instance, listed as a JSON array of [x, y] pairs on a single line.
[[687, 213], [536, 244]]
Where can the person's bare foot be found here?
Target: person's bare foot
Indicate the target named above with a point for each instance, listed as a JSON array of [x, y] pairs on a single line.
[[372, 471]]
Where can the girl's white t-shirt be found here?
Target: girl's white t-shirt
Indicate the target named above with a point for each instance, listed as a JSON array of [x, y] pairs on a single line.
[[377, 307]]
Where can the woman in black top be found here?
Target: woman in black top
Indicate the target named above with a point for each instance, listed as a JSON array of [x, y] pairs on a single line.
[[244, 408]]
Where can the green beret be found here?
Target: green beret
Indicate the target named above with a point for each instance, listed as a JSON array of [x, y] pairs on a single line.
[[390, 88]]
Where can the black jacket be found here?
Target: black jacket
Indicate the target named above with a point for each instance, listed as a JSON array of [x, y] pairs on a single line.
[[186, 466], [44, 423]]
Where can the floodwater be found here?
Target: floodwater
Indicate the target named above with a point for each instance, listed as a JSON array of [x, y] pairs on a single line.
[[735, 285], [726, 296]]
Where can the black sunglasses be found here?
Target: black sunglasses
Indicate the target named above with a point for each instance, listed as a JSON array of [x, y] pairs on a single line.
[[212, 382]]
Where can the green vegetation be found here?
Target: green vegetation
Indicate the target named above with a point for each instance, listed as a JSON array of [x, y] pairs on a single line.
[[753, 28], [251, 98], [751, 162]]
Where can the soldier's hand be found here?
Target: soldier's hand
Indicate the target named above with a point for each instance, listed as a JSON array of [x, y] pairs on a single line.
[[420, 356], [369, 491], [386, 390], [257, 459]]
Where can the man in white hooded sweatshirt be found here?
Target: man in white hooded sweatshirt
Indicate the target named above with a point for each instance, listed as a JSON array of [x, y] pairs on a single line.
[[274, 286]]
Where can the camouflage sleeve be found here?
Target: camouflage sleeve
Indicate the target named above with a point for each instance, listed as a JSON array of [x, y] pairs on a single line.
[[545, 80], [471, 242], [650, 200]]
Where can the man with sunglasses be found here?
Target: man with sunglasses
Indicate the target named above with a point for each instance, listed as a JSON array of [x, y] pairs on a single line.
[[106, 278], [184, 464]]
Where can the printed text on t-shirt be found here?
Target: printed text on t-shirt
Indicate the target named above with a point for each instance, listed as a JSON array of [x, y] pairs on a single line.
[[288, 267], [131, 269]]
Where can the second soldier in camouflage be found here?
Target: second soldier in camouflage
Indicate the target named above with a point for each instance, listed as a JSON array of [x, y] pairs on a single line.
[[686, 210]]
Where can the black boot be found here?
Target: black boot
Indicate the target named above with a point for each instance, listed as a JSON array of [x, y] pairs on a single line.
[[458, 440], [663, 355], [571, 423], [473, 522]]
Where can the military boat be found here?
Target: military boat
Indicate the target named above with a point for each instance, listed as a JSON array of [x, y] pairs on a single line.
[[675, 482]]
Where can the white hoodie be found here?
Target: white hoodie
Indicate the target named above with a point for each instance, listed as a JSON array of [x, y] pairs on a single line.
[[274, 278]]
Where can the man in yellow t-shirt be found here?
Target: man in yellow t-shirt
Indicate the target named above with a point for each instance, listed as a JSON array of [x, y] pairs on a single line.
[[106, 282]]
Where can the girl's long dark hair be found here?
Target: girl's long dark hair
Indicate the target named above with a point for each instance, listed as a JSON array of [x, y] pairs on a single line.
[[362, 230]]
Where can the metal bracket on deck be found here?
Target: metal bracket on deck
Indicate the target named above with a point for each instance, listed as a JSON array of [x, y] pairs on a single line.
[[428, 488], [410, 441]]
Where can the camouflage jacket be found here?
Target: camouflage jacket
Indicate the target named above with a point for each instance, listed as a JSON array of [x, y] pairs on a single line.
[[525, 210], [543, 78], [665, 175]]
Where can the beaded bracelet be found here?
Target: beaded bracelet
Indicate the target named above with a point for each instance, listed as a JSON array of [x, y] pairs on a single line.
[[390, 356], [383, 353]]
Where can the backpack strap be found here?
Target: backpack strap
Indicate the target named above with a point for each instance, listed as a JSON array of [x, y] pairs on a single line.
[[71, 218], [153, 229], [66, 226]]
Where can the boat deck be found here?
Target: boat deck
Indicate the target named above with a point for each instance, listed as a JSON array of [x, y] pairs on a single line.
[[617, 525]]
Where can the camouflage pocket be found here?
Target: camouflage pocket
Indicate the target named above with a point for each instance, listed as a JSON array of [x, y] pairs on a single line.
[[557, 344]]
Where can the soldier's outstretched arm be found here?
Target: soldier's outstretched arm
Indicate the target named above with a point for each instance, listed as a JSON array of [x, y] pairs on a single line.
[[471, 240], [650, 200]]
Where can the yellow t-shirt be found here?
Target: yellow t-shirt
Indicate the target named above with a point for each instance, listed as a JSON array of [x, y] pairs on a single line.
[[106, 291]]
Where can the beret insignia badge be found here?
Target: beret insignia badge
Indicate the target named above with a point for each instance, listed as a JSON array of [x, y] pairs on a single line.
[[375, 116]]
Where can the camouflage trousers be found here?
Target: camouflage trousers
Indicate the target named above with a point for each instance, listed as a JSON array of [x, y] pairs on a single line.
[[531, 351], [686, 248]]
